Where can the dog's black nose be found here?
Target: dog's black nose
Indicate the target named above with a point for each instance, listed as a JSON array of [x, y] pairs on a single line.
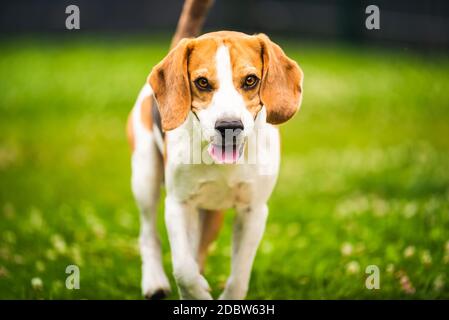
[[233, 126]]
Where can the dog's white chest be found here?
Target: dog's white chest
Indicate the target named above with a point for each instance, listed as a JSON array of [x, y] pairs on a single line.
[[214, 186]]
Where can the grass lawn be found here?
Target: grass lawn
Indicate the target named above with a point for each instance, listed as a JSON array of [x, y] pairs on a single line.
[[364, 177]]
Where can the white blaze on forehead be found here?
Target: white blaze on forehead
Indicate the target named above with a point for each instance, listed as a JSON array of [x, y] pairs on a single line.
[[224, 67], [227, 98]]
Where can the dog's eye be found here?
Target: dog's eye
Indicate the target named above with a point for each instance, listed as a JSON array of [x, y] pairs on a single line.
[[202, 84], [250, 82]]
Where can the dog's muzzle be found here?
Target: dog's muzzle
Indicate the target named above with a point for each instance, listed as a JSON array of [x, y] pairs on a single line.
[[228, 142]]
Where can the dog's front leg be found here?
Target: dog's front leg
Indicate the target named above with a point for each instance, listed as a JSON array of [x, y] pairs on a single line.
[[249, 226], [182, 222]]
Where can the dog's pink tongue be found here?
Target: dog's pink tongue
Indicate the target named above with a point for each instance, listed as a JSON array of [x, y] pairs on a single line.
[[223, 155]]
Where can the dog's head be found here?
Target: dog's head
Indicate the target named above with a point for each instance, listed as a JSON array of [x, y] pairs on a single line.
[[225, 78]]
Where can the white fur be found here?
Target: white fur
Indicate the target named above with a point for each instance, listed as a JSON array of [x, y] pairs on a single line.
[[191, 187]]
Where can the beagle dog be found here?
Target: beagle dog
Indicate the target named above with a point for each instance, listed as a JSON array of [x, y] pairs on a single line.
[[204, 124]]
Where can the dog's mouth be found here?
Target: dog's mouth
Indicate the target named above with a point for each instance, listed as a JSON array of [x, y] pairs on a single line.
[[226, 154]]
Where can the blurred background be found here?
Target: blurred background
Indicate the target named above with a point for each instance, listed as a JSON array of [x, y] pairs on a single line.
[[365, 171], [420, 24]]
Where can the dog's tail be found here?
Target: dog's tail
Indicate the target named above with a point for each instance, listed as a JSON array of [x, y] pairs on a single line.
[[191, 20]]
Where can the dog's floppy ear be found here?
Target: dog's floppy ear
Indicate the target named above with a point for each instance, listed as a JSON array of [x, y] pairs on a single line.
[[170, 83], [281, 86]]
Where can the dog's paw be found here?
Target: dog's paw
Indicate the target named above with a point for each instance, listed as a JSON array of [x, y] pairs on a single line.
[[195, 289], [233, 291], [159, 294], [155, 285]]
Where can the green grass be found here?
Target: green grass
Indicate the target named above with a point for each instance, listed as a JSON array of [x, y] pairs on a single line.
[[364, 178]]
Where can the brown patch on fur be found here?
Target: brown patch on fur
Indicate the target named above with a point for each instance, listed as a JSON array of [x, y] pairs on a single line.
[[130, 131], [164, 155], [212, 221], [202, 64], [246, 60], [145, 118], [170, 83], [145, 113], [281, 86]]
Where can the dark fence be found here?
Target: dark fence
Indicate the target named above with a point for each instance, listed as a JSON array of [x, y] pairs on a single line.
[[414, 23]]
